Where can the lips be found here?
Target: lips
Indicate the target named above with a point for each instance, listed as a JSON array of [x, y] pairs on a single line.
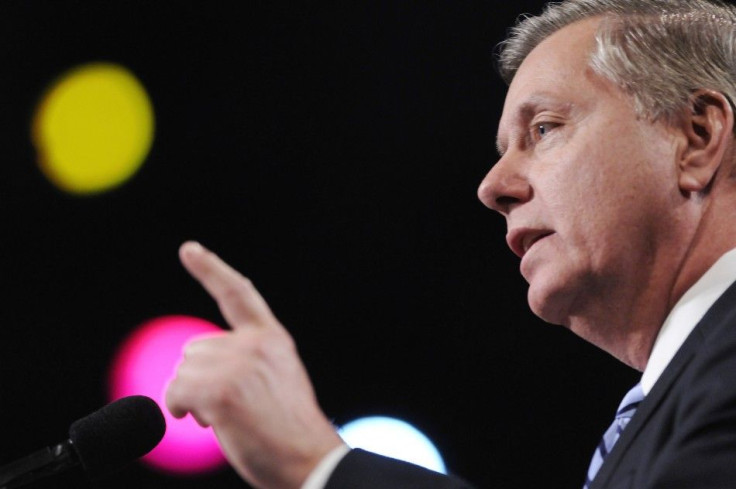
[[520, 240]]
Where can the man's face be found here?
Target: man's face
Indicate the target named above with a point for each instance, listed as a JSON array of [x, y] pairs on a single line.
[[588, 189]]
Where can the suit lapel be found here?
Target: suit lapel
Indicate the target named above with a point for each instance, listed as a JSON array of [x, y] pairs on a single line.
[[645, 410], [716, 314]]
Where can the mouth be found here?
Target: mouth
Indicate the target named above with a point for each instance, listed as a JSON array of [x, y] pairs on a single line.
[[521, 240]]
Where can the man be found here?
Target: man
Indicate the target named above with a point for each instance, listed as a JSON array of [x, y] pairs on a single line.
[[618, 183]]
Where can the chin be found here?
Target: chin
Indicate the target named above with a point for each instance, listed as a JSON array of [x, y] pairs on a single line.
[[549, 304]]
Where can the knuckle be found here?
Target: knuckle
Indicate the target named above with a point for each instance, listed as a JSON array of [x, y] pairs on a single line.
[[188, 350], [223, 394], [201, 345], [201, 420], [193, 347], [221, 399], [243, 285], [246, 283], [173, 400], [234, 293], [261, 349], [272, 345]]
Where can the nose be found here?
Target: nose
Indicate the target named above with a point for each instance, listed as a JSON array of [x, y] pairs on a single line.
[[505, 186]]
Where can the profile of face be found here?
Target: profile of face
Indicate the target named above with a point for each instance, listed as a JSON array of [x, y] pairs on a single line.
[[589, 190]]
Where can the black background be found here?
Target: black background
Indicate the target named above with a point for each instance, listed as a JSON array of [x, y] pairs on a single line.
[[332, 154]]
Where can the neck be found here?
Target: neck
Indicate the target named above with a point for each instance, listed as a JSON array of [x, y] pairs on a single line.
[[628, 323]]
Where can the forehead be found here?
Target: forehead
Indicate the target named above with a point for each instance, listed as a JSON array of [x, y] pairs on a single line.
[[555, 74]]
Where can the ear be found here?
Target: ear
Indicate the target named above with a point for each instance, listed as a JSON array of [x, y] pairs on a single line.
[[708, 129]]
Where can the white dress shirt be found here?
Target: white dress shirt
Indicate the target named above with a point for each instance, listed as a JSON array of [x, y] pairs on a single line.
[[686, 314], [318, 477]]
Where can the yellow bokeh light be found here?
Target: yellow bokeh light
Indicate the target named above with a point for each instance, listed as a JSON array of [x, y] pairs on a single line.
[[93, 128]]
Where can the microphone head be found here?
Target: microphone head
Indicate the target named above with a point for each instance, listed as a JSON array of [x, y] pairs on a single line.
[[117, 434]]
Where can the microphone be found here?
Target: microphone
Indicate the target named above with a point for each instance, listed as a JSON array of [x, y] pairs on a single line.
[[101, 442]]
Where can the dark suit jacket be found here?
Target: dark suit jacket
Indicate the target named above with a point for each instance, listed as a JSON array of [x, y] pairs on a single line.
[[683, 435]]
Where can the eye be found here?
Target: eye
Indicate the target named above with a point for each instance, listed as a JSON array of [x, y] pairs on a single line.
[[541, 129]]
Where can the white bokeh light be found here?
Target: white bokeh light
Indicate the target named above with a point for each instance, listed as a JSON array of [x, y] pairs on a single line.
[[393, 438]]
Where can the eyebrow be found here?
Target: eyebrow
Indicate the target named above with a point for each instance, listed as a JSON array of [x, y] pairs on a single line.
[[527, 110]]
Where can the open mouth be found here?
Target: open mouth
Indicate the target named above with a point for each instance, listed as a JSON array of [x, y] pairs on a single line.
[[520, 239], [532, 239]]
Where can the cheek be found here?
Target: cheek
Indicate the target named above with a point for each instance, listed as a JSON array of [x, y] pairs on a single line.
[[610, 231], [591, 217]]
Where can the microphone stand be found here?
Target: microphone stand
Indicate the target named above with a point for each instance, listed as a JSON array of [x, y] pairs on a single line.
[[43, 463]]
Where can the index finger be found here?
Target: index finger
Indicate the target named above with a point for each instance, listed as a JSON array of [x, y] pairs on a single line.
[[239, 301]]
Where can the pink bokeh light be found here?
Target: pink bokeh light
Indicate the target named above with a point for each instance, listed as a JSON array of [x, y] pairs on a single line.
[[144, 365]]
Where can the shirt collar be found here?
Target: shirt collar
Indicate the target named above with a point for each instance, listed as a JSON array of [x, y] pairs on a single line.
[[686, 314]]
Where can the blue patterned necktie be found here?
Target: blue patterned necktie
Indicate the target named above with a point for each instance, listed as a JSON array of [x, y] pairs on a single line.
[[625, 411]]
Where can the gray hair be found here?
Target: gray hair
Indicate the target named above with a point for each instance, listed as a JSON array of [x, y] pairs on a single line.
[[657, 51]]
